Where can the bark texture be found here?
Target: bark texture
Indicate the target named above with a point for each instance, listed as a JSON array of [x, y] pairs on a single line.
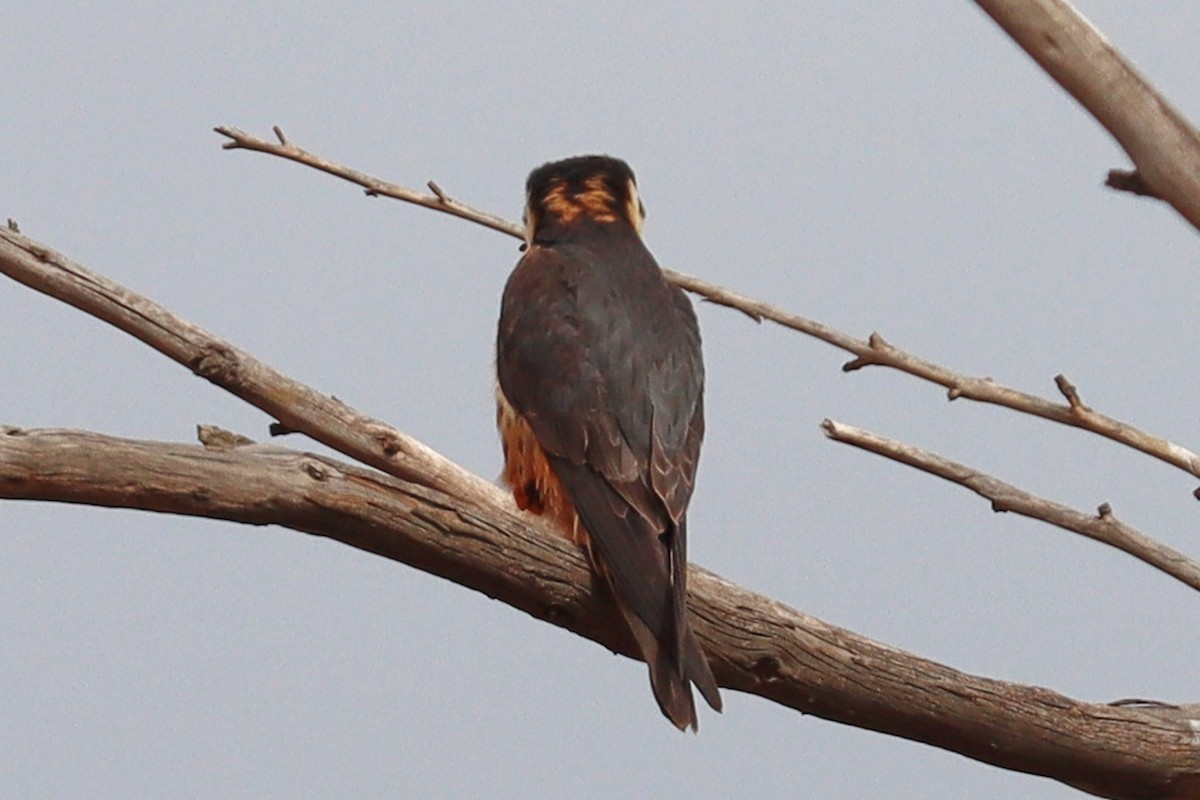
[[756, 645]]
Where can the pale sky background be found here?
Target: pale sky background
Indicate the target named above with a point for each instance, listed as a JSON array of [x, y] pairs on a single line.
[[890, 166]]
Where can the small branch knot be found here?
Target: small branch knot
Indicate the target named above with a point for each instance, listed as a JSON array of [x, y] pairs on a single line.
[[1069, 391], [217, 438], [1125, 180], [766, 669], [217, 364], [389, 445], [877, 344]]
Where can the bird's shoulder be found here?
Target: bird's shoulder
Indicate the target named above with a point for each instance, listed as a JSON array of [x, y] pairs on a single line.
[[602, 356]]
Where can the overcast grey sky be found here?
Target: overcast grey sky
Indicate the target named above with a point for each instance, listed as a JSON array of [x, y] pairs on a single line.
[[891, 166]]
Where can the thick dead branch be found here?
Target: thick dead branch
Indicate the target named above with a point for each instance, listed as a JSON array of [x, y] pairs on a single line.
[[873, 352], [1103, 527], [1159, 140], [757, 645]]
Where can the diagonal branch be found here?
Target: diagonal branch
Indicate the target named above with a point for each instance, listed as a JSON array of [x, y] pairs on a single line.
[[1103, 527], [873, 352], [757, 645], [467, 531], [298, 407], [375, 187], [1160, 141]]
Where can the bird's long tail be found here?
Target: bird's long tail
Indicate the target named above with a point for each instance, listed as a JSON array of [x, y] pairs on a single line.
[[675, 665]]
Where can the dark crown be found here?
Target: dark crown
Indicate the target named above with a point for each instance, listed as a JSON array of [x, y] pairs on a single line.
[[597, 188]]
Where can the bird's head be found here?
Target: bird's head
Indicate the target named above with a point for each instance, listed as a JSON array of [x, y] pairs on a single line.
[[581, 190]]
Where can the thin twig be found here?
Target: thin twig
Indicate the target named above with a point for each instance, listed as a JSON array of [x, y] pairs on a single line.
[[874, 352], [1104, 527], [375, 187]]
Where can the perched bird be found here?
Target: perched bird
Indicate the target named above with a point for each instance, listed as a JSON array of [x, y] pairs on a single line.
[[599, 396]]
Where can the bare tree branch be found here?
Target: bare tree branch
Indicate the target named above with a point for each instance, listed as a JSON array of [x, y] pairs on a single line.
[[760, 645], [375, 187], [328, 420], [875, 351], [440, 518], [757, 645], [474, 536], [298, 407], [1103, 527], [1161, 142]]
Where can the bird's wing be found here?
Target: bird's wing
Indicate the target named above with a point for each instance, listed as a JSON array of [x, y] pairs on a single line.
[[613, 395]]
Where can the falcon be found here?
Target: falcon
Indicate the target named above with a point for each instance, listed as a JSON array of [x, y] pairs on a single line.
[[600, 386]]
